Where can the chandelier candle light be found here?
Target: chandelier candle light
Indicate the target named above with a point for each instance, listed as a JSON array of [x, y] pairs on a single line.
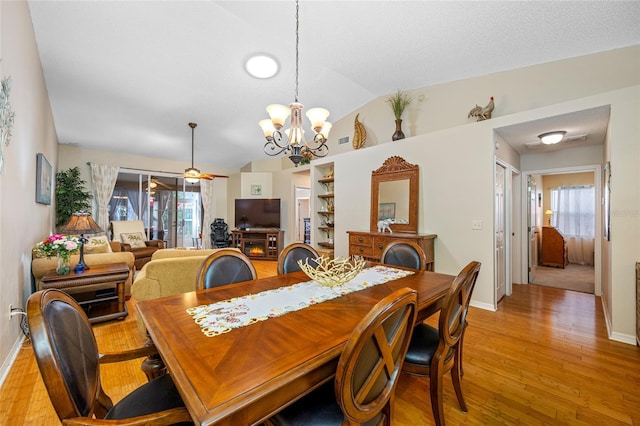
[[295, 143]]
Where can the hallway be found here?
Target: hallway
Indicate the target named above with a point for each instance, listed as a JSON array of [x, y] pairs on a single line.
[[573, 277]]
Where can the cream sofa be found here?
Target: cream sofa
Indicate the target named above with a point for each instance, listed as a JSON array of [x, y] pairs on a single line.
[[170, 272], [41, 265]]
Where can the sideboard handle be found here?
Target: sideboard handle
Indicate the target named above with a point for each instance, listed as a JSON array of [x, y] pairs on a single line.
[[360, 239]]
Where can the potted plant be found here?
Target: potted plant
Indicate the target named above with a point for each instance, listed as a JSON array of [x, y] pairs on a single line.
[[399, 101], [70, 195]]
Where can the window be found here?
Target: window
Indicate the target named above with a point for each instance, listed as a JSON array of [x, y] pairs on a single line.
[[574, 210]]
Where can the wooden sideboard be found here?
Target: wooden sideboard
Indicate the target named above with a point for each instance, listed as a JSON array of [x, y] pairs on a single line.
[[554, 248], [369, 245]]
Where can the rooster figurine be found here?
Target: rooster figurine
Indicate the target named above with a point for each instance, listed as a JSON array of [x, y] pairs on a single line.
[[482, 113]]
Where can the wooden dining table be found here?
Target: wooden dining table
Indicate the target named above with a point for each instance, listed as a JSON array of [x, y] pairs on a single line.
[[244, 376]]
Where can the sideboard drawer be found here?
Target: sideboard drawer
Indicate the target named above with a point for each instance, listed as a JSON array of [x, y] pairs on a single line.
[[359, 239], [364, 251], [371, 244]]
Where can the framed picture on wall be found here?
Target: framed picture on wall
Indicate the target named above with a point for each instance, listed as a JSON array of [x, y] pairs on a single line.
[[607, 201], [256, 189], [44, 180]]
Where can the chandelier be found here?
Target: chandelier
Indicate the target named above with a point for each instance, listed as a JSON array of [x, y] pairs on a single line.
[[294, 142]]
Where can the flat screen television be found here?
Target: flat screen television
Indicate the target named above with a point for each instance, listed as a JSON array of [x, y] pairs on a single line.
[[257, 213]]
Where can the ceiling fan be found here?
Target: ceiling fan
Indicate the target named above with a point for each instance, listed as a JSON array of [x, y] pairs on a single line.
[[564, 140], [193, 175], [157, 183]]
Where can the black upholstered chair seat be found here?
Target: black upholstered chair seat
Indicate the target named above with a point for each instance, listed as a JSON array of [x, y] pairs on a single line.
[[423, 345], [157, 395], [319, 408]]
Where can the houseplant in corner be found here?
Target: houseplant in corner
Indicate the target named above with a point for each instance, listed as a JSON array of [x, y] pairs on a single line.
[[70, 195], [399, 101]]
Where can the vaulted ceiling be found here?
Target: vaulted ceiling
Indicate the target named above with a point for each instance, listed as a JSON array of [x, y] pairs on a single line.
[[128, 76]]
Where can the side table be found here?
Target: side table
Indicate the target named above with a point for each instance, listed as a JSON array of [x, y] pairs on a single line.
[[98, 290]]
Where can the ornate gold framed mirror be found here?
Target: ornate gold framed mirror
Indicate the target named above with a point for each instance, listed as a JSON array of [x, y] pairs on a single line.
[[394, 195]]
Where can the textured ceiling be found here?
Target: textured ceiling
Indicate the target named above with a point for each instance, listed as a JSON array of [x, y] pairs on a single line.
[[128, 76]]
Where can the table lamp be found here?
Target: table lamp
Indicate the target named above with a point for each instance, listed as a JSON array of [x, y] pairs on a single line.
[[81, 223], [549, 213]]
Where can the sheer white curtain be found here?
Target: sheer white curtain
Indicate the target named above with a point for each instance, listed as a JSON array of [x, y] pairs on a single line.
[[104, 180], [574, 215], [209, 205]]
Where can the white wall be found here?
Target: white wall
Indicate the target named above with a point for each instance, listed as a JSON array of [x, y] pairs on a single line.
[[23, 222], [456, 187]]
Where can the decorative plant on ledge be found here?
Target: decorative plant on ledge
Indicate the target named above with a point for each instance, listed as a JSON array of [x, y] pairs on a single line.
[[399, 101], [70, 195]]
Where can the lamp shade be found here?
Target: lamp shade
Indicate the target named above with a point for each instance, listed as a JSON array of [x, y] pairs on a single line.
[[326, 128], [317, 116], [548, 212], [278, 114], [80, 223], [551, 138], [267, 127]]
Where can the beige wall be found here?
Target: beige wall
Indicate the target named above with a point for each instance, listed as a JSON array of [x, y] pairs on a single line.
[[23, 222], [456, 158]]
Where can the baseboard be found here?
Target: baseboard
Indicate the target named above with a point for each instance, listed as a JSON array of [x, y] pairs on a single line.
[[618, 337], [485, 306], [13, 354]]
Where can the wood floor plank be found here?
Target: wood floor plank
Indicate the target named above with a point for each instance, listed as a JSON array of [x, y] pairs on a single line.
[[543, 358]]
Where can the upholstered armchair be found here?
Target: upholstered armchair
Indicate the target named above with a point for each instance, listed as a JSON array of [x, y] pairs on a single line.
[[131, 234]]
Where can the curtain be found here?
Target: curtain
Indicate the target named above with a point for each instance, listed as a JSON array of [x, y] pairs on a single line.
[[104, 180], [574, 211], [207, 193], [163, 200]]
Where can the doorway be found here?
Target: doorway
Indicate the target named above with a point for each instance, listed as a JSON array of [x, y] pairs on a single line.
[[583, 270], [567, 210]]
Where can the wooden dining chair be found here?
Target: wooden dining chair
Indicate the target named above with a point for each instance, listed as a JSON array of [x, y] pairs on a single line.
[[367, 372], [289, 256], [225, 266], [67, 355], [404, 253], [433, 352]]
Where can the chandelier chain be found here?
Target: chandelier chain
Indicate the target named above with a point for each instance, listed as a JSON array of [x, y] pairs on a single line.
[[297, 43]]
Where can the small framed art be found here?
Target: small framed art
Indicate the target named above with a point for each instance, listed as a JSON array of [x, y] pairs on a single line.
[[44, 180], [256, 189]]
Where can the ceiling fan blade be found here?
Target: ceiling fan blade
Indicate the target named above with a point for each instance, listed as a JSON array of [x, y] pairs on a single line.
[[210, 176]]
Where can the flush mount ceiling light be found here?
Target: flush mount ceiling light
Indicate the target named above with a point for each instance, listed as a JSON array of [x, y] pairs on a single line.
[[551, 138], [262, 66], [294, 142]]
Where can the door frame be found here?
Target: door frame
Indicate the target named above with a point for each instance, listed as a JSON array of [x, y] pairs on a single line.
[[597, 246], [512, 192]]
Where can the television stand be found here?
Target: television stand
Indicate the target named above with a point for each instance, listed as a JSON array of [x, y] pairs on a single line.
[[261, 244]]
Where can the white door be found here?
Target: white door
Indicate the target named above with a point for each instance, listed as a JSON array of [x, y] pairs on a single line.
[[499, 226], [531, 227]]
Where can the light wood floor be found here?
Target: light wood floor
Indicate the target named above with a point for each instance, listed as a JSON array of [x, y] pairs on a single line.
[[542, 359]]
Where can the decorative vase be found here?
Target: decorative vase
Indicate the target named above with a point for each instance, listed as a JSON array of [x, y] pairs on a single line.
[[64, 266], [398, 134]]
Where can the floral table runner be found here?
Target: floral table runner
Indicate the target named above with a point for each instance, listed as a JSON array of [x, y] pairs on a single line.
[[221, 317]]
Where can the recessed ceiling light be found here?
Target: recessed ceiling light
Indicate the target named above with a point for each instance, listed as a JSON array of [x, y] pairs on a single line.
[[262, 66]]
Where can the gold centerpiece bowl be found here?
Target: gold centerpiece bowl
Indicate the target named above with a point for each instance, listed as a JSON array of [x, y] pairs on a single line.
[[332, 272]]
